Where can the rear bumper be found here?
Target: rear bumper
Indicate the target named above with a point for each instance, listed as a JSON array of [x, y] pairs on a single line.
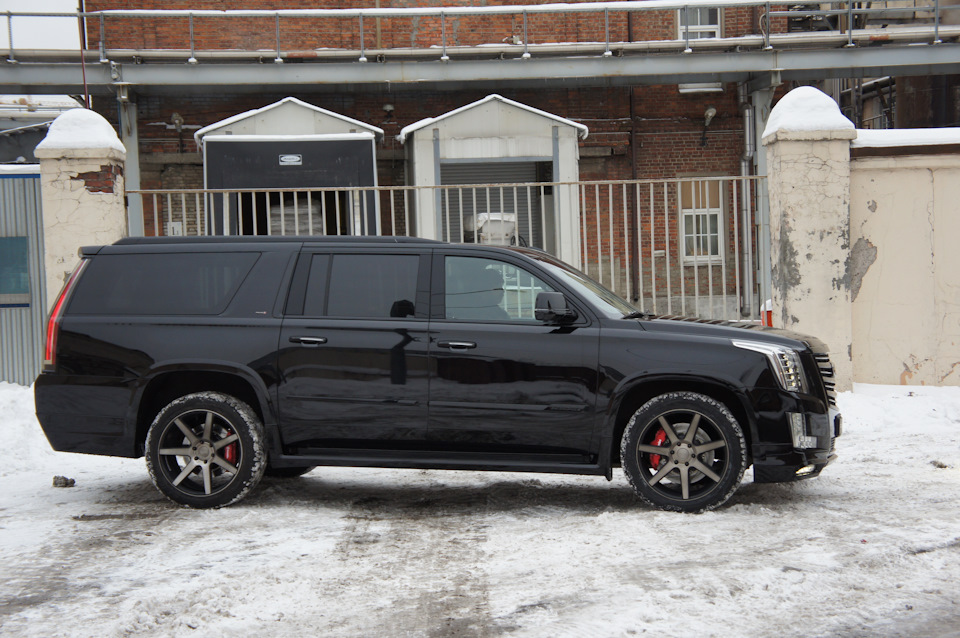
[[87, 419]]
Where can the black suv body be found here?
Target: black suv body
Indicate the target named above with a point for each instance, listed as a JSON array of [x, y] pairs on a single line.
[[220, 359]]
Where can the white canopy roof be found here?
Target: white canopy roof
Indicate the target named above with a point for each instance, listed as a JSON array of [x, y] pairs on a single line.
[[416, 126]]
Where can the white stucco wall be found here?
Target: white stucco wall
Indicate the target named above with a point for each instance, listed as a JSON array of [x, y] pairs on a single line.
[[80, 143], [905, 269], [864, 250], [808, 163]]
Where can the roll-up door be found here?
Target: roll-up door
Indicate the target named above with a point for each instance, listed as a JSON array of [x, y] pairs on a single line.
[[461, 208]]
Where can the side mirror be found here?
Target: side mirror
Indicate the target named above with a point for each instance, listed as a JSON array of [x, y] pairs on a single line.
[[551, 307]]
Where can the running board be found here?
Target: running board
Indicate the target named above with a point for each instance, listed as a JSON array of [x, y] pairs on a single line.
[[430, 460]]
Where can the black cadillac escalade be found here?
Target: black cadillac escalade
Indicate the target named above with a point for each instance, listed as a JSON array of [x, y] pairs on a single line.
[[220, 359]]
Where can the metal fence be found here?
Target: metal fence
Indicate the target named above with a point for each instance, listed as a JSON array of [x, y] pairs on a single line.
[[22, 283], [684, 246], [681, 246]]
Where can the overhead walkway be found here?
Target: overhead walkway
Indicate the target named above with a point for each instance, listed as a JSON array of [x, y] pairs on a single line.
[[900, 38]]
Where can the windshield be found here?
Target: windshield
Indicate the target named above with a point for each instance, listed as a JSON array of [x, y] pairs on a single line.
[[602, 299]]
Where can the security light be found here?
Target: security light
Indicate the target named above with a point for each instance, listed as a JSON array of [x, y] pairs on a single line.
[[708, 115]]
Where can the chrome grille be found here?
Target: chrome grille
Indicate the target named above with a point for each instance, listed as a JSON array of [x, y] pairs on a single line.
[[827, 376]]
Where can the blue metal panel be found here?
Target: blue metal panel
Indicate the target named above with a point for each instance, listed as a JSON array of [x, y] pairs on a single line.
[[22, 304]]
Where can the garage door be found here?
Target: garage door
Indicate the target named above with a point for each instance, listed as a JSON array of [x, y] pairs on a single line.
[[495, 193]]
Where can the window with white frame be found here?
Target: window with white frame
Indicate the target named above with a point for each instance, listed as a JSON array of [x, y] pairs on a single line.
[[704, 22], [701, 223]]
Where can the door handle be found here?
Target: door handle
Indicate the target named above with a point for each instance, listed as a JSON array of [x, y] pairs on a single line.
[[309, 341], [457, 345]]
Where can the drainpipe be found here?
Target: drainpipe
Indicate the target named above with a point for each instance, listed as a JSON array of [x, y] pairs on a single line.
[[636, 245], [746, 226]]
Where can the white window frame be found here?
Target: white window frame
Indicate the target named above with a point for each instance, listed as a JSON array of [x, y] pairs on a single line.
[[700, 30], [704, 211]]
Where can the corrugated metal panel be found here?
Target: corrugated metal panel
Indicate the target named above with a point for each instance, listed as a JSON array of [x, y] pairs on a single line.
[[21, 328]]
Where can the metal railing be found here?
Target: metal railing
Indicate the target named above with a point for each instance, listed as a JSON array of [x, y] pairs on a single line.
[[441, 32], [680, 246]]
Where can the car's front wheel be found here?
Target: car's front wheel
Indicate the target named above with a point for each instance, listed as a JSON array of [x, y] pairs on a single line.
[[684, 451], [206, 450]]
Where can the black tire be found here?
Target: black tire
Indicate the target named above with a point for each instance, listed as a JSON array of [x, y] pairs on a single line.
[[703, 457], [206, 450], [287, 472]]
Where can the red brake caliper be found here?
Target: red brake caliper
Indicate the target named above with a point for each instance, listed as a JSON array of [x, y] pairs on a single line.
[[230, 452], [658, 440]]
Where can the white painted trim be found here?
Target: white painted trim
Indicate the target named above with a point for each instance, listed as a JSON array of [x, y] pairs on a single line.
[[333, 137], [416, 126], [242, 116]]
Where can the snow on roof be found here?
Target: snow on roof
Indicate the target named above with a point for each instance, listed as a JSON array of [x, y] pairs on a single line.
[[39, 102], [906, 137], [81, 128], [806, 109], [19, 169], [292, 100], [412, 128]]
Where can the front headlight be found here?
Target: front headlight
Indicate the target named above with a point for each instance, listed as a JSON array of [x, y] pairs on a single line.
[[785, 362]]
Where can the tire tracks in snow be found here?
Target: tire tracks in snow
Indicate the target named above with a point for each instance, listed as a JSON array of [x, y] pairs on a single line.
[[418, 560], [76, 565]]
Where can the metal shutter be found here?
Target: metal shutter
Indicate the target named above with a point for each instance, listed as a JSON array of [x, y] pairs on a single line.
[[457, 204]]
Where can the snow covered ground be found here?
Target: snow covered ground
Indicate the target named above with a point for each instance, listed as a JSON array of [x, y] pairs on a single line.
[[871, 548]]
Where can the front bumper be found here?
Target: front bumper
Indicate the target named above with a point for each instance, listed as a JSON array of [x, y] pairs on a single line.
[[782, 463]]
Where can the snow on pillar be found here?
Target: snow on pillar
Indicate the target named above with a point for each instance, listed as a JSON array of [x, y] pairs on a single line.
[[81, 183], [807, 143]]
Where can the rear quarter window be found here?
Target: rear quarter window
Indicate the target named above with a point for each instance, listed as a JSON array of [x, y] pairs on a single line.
[[161, 284]]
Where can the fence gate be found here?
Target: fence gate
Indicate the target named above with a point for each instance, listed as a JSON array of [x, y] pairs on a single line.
[[22, 288]]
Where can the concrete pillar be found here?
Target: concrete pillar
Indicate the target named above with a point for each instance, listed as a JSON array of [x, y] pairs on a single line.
[[807, 143], [81, 184]]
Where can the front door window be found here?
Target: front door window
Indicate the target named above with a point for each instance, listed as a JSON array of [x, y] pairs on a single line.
[[480, 289]]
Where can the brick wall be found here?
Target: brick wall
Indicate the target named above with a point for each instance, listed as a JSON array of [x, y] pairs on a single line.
[[100, 181], [635, 132], [307, 34]]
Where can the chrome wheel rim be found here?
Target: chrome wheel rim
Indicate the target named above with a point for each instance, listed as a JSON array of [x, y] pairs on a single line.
[[199, 452], [682, 454]]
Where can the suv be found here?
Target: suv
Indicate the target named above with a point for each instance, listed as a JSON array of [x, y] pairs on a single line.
[[222, 358]]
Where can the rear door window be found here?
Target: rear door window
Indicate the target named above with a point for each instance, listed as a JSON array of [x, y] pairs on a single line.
[[161, 283], [369, 286]]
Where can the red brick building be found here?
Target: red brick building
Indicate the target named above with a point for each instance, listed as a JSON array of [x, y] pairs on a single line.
[[641, 131]]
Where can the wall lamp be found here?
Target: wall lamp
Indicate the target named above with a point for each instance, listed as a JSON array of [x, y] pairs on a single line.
[[708, 116]]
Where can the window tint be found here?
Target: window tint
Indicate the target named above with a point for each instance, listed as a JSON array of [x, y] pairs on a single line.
[[161, 284], [490, 290], [374, 286], [313, 305]]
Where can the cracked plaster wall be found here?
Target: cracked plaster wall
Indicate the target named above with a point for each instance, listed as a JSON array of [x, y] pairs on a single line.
[[74, 214], [809, 187], [906, 315]]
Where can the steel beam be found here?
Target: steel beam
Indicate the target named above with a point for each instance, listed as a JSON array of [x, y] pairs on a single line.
[[673, 68]]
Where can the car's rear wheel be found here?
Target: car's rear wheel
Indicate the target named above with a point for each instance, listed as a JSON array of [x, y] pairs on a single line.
[[206, 450], [684, 451]]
